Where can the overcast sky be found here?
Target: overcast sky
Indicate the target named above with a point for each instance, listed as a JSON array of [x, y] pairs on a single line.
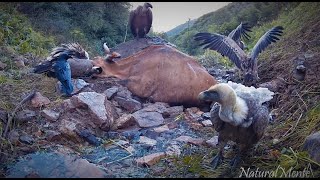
[[167, 15]]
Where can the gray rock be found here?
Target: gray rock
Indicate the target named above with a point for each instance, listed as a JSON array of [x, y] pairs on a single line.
[[26, 139], [147, 141], [111, 92], [13, 137], [55, 165], [126, 120], [25, 116], [129, 104], [78, 85], [311, 145], [175, 110], [50, 115], [206, 123], [38, 100], [53, 135], [159, 107], [124, 93], [148, 119], [213, 142], [100, 109]]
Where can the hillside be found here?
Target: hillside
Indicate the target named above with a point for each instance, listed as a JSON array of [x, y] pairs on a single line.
[[49, 139], [181, 27]]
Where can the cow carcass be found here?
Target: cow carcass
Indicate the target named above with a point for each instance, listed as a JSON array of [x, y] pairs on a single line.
[[157, 71]]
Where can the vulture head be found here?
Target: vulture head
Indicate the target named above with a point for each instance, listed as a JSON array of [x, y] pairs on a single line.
[[233, 109], [227, 46], [147, 5]]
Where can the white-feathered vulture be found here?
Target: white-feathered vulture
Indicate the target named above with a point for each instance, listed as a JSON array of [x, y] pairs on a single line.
[[74, 50], [228, 47], [239, 116], [141, 20]]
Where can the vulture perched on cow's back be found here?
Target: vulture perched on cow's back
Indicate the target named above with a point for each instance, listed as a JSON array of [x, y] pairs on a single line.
[[228, 47], [239, 115], [141, 20]]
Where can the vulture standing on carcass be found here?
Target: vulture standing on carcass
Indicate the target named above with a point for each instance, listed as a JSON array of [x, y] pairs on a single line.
[[239, 116], [57, 64], [141, 20], [228, 47]]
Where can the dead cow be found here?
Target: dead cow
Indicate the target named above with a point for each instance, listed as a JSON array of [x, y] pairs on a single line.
[[160, 73]]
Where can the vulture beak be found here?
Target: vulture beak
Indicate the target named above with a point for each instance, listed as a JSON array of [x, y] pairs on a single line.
[[149, 5], [209, 96]]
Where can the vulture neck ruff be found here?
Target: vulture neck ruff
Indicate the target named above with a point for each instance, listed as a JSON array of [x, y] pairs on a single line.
[[233, 109]]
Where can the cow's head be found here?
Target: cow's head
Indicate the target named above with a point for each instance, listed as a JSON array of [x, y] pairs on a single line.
[[105, 65]]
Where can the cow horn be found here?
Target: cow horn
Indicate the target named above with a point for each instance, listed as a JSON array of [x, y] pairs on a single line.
[[106, 49]]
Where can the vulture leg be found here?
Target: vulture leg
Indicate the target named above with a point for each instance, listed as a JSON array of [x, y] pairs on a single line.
[[237, 158], [217, 160]]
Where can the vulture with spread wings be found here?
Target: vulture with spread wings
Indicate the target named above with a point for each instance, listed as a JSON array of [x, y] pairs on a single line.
[[230, 48], [141, 20]]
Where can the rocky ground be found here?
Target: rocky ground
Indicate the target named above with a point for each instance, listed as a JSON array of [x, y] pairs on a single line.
[[105, 131]]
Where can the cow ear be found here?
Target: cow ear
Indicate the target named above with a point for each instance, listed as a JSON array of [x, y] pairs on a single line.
[[109, 59]]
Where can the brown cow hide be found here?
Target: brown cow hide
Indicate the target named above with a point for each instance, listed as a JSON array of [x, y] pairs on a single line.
[[158, 72]]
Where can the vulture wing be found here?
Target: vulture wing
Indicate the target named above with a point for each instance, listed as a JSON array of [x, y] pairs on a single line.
[[240, 31], [223, 45], [149, 20], [132, 16], [265, 40], [260, 121]]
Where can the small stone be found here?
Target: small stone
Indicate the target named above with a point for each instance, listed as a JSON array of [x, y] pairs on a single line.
[[173, 150], [161, 129], [188, 139], [207, 123], [311, 145], [151, 159], [213, 142], [25, 116], [126, 120], [147, 141], [50, 115], [111, 92], [275, 141], [26, 139], [38, 100], [148, 119], [129, 104], [53, 135]]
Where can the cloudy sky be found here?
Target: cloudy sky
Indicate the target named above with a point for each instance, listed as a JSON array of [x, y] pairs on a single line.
[[167, 15]]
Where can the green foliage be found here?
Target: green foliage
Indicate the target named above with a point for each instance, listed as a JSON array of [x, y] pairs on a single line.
[[16, 32], [89, 23], [224, 20]]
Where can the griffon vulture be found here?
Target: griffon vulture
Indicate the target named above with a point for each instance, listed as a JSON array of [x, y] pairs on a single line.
[[227, 46], [238, 115], [73, 50], [141, 20]]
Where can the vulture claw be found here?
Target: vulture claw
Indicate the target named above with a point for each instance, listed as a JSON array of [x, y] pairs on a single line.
[[235, 161], [217, 160]]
